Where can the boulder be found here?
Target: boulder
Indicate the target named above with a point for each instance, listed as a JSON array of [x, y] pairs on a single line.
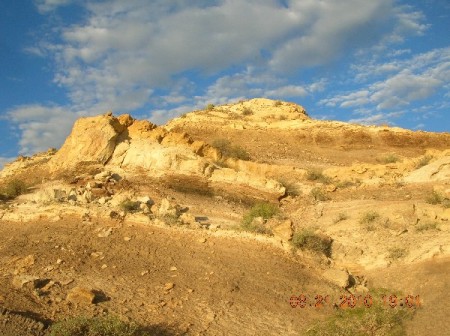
[[93, 139], [340, 278], [81, 295]]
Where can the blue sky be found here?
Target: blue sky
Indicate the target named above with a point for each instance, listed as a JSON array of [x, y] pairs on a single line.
[[369, 62]]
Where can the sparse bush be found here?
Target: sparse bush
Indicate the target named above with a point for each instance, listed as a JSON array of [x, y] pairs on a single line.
[[391, 158], [247, 111], [308, 240], [362, 321], [277, 103], [210, 107], [229, 150], [170, 219], [319, 195], [264, 210], [424, 161], [129, 205], [291, 187], [345, 184], [342, 216], [104, 326], [368, 220], [435, 198], [14, 188], [427, 226], [318, 176], [397, 253]]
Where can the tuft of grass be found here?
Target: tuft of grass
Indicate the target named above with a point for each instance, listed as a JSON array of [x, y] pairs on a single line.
[[306, 239], [104, 326], [427, 226], [345, 184], [264, 210], [391, 158], [368, 220], [342, 216], [229, 150], [319, 195], [277, 103], [14, 188], [318, 176], [247, 111], [377, 320], [291, 187], [397, 253], [424, 161], [129, 205], [435, 198], [210, 107]]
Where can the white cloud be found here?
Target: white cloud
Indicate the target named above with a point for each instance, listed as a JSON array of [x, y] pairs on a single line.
[[45, 6], [379, 118], [123, 54], [42, 127], [5, 160], [407, 81]]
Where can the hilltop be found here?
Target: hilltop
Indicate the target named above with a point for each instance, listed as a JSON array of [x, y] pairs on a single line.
[[223, 210]]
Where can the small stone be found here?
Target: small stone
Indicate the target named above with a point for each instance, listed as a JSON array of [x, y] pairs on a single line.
[[126, 238], [144, 273], [104, 266], [80, 295], [202, 240], [168, 286], [59, 261], [173, 268], [96, 254], [190, 290], [105, 233], [21, 280]]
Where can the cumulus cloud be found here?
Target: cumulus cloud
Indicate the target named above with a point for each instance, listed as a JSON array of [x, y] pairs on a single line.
[[128, 56], [42, 127]]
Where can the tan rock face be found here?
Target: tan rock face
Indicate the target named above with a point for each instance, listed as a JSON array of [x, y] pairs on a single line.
[[92, 139]]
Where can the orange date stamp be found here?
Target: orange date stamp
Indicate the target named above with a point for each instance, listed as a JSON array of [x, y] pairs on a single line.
[[353, 301]]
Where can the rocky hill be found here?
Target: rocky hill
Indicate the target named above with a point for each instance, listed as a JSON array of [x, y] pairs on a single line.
[[270, 201]]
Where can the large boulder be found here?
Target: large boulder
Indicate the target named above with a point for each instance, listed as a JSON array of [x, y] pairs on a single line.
[[93, 139]]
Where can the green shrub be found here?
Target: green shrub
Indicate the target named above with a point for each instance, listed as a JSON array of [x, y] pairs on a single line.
[[210, 107], [424, 161], [397, 253], [99, 326], [306, 239], [129, 206], [264, 210], [319, 194], [14, 188], [227, 149], [362, 321], [318, 176]]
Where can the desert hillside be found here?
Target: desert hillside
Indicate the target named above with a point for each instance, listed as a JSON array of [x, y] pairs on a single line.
[[233, 220]]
